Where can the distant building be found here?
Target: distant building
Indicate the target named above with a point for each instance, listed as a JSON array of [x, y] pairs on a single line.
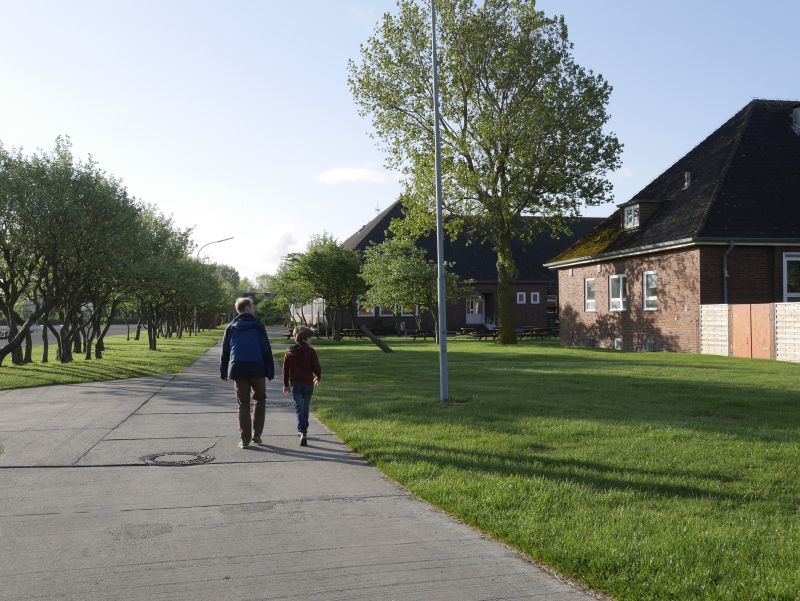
[[535, 288]]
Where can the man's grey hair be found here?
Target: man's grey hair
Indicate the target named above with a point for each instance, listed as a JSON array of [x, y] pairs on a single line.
[[244, 304]]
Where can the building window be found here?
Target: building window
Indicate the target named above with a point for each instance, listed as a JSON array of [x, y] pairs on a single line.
[[520, 298], [588, 294], [534, 298], [618, 293], [631, 217], [791, 277], [364, 310], [650, 283]]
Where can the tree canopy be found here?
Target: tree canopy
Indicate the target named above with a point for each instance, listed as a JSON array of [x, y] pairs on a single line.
[[523, 140]]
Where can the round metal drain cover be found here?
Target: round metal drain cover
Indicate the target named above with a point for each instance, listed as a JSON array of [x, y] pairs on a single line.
[[171, 458]]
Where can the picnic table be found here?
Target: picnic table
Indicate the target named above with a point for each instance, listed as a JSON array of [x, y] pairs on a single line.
[[352, 333], [479, 332], [537, 332], [422, 334]]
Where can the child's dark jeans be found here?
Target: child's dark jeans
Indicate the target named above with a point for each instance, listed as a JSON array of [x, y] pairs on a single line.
[[302, 404]]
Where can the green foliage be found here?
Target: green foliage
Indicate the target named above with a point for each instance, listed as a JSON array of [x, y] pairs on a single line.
[[291, 289], [398, 273], [272, 312], [521, 122], [76, 245], [648, 476]]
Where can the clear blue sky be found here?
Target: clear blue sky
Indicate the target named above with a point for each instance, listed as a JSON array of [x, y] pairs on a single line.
[[235, 117]]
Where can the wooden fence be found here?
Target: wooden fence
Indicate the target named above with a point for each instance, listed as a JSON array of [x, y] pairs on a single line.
[[762, 331]]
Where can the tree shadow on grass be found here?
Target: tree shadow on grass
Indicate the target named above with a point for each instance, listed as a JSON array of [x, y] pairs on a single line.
[[738, 399], [595, 475]]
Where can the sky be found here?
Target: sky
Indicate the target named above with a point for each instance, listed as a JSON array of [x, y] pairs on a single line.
[[235, 117]]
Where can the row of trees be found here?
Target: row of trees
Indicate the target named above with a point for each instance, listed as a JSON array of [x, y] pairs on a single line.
[[77, 250], [395, 274]]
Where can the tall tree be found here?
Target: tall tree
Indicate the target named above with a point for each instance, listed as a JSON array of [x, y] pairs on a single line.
[[523, 146]]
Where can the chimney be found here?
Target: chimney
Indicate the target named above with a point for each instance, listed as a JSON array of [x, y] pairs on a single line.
[[687, 179], [796, 120]]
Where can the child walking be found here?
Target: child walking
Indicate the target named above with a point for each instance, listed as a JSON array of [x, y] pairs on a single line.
[[301, 372]]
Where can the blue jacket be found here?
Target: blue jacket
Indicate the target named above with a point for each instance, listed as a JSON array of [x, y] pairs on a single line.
[[245, 350]]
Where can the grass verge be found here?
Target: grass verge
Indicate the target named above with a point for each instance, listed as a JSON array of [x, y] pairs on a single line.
[[648, 476], [121, 359]]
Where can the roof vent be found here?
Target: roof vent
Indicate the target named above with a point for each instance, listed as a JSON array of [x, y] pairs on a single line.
[[687, 179], [796, 120]]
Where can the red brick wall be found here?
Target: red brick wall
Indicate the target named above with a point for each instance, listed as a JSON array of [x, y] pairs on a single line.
[[755, 274], [673, 326]]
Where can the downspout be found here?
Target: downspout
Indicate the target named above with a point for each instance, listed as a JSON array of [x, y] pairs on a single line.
[[725, 272]]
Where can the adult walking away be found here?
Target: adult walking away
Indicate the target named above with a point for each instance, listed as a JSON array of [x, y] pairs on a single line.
[[302, 372], [247, 360]]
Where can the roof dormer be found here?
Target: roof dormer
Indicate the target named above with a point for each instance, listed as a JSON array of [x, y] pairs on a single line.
[[630, 217]]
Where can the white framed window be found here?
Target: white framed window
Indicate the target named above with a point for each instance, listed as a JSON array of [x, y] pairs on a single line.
[[618, 293], [589, 303], [521, 298], [534, 298], [386, 311], [650, 291], [631, 217], [364, 310], [791, 277]]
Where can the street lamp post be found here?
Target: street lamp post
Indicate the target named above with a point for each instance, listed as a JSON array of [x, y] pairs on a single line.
[[197, 256], [443, 392], [209, 243]]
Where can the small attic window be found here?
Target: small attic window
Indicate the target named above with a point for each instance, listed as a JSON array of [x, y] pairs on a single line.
[[631, 217]]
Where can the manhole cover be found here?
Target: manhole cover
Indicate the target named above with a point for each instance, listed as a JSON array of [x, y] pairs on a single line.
[[177, 458]]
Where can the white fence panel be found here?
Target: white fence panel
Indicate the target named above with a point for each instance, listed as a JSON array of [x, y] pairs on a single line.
[[714, 330], [787, 331]]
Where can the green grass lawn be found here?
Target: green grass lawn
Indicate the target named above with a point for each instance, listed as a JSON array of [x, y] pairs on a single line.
[[121, 359], [645, 476]]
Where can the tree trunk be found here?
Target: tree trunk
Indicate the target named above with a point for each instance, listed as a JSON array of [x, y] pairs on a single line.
[[45, 341], [505, 292], [28, 348], [138, 330], [380, 343]]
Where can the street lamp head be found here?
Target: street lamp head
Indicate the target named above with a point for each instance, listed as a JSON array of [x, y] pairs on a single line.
[[197, 256]]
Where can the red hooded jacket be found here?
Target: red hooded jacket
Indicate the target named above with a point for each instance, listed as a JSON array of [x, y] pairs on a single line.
[[300, 365]]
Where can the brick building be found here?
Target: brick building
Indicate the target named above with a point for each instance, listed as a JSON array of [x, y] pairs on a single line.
[[535, 287], [721, 225]]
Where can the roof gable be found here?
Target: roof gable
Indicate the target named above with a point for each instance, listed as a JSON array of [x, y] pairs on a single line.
[[472, 259], [745, 183]]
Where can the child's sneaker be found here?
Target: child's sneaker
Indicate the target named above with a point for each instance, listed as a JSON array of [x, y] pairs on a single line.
[[243, 444], [303, 439], [257, 439]]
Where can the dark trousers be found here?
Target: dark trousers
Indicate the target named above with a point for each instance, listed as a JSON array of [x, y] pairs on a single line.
[[248, 426]]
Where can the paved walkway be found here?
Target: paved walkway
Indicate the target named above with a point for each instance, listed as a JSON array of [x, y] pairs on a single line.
[[82, 518]]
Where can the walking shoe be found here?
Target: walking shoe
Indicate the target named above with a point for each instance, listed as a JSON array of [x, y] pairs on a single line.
[[303, 439], [257, 439], [243, 444]]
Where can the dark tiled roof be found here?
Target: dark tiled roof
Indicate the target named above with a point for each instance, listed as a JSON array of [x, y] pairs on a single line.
[[476, 261], [745, 184]]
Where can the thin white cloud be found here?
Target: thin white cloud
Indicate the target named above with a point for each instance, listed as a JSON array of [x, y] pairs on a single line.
[[352, 175], [626, 172]]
